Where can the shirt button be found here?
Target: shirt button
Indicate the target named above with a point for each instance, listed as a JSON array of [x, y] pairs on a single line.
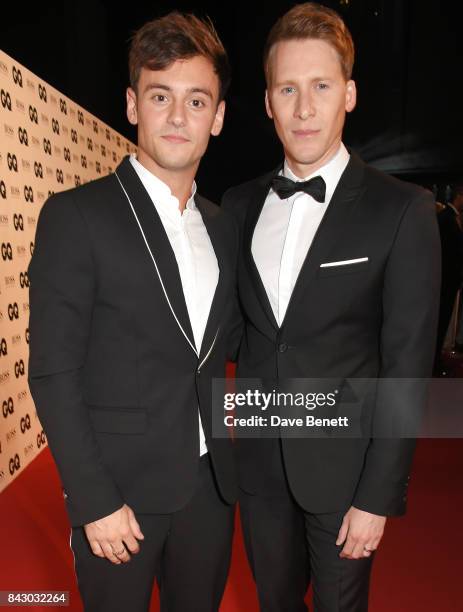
[[283, 347]]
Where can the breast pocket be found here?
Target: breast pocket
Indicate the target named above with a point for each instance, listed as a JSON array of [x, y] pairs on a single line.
[[118, 420], [343, 266]]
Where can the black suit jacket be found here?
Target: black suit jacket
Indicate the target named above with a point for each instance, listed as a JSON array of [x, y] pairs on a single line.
[[113, 370], [373, 319]]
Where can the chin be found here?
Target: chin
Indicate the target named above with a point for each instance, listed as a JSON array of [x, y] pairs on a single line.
[[305, 158]]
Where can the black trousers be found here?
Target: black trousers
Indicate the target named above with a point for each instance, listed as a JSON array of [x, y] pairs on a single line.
[[288, 547], [188, 552]]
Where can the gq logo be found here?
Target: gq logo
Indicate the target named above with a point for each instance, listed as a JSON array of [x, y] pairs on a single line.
[[76, 180], [83, 161], [42, 93], [33, 115], [24, 279], [27, 336], [7, 251], [31, 248], [12, 162], [74, 136], [55, 126], [14, 464], [47, 146], [25, 423], [7, 407], [18, 222], [23, 137], [41, 439], [89, 144], [3, 190], [6, 99], [80, 117], [28, 193], [98, 167], [3, 348], [59, 176], [108, 136], [38, 170], [95, 127], [19, 368], [63, 106], [67, 155], [13, 311], [17, 76]]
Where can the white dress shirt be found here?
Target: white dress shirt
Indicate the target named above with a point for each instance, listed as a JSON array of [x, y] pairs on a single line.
[[194, 253], [285, 230]]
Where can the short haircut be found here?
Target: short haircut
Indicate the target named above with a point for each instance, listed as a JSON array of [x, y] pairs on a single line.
[[312, 20], [177, 36]]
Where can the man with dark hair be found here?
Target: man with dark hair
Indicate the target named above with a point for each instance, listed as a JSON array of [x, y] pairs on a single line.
[[132, 288], [338, 279]]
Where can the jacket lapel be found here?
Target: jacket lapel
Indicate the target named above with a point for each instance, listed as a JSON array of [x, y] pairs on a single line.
[[256, 202], [157, 241], [218, 234], [333, 225]]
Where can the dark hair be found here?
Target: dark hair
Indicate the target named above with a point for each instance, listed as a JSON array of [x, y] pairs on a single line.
[[312, 20], [160, 42]]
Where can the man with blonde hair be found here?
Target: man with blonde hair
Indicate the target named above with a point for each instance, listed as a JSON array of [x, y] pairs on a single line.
[[338, 279]]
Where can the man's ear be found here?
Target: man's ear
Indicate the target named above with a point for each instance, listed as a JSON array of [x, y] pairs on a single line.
[[268, 106], [218, 119], [351, 96], [131, 98]]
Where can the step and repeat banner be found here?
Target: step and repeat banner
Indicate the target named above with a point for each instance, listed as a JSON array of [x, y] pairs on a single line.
[[48, 143]]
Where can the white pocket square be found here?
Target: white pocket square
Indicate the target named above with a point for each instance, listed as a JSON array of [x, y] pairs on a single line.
[[343, 262]]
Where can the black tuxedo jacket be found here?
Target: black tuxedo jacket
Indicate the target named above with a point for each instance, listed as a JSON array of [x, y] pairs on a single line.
[[113, 369], [371, 319]]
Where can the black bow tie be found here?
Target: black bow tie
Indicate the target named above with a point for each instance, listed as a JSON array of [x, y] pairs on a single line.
[[285, 187]]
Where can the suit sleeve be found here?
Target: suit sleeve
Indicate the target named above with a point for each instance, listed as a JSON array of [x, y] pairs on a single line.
[[62, 291], [237, 322], [410, 310]]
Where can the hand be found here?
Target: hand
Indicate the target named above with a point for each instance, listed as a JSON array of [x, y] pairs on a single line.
[[363, 531], [108, 535]]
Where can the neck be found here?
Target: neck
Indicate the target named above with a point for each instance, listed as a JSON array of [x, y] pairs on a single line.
[[179, 182]]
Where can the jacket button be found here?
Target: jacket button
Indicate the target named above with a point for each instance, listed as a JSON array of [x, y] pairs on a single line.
[[283, 347]]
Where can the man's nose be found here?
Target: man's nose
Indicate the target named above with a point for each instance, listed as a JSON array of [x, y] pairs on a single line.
[[305, 106], [177, 114]]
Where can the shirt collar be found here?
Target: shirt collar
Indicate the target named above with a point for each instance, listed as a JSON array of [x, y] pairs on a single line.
[[157, 189], [331, 172]]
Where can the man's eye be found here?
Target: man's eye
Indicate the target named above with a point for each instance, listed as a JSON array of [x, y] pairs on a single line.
[[159, 97], [197, 103], [322, 85], [288, 90]]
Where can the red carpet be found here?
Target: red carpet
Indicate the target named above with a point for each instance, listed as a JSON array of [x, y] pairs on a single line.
[[418, 566]]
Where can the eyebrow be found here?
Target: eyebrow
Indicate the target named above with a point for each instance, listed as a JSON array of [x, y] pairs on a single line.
[[203, 90], [293, 82]]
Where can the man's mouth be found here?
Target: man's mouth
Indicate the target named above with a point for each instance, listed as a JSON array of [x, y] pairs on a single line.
[[175, 138], [305, 133]]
